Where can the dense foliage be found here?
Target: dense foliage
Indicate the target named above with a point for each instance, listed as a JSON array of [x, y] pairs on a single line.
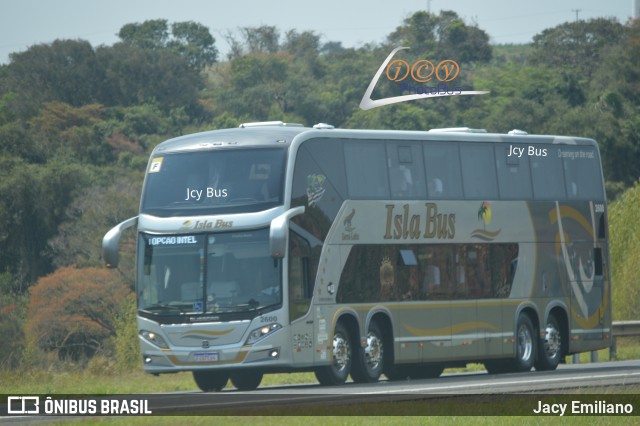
[[77, 123]]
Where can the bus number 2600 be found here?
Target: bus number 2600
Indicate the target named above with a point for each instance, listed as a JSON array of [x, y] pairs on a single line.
[[269, 318]]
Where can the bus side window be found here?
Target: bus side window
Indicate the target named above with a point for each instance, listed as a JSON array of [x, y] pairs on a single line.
[[442, 168], [406, 171], [437, 271], [478, 172], [514, 177], [547, 176], [366, 171], [583, 179]]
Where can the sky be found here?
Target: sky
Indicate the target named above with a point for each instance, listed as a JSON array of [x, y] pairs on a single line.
[[355, 23]]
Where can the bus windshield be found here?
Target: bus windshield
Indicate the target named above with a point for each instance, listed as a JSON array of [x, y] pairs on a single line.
[[239, 273], [206, 182]]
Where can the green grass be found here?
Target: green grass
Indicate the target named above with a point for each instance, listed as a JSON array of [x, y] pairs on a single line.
[[96, 381], [102, 377], [106, 382], [357, 421]]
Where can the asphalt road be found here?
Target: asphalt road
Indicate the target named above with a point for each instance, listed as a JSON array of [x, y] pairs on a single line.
[[598, 379], [615, 382]]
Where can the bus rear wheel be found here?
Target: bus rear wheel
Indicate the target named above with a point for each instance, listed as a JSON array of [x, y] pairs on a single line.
[[526, 350], [369, 361], [550, 348], [526, 344], [337, 372], [210, 380], [246, 380]]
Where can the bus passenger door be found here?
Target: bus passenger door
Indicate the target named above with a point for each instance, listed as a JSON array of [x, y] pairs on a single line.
[[301, 271]]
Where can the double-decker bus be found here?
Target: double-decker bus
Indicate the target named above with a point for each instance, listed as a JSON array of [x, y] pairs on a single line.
[[278, 248]]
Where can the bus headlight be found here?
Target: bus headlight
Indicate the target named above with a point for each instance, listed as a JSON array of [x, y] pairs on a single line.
[[154, 338], [262, 332]]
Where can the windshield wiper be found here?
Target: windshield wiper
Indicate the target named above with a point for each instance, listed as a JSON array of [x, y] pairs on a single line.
[[170, 307], [253, 305]]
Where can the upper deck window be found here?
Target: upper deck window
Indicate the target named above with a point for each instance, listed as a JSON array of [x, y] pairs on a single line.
[[547, 176], [581, 170], [199, 183], [478, 171], [366, 170], [514, 176]]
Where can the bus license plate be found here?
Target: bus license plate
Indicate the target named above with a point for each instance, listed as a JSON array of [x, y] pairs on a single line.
[[205, 356]]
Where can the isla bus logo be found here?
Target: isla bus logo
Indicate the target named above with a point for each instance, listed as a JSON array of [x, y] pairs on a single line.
[[421, 71]]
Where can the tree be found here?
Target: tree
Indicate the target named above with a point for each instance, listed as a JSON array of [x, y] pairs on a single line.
[[265, 39], [577, 47], [73, 311], [419, 32], [152, 34], [443, 36], [65, 71], [79, 238], [301, 44], [189, 39], [194, 42], [134, 76], [77, 133], [12, 313], [35, 199], [575, 50], [262, 39]]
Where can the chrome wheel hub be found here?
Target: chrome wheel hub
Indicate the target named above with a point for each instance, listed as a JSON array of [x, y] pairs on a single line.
[[552, 341], [341, 352], [525, 343], [373, 351]]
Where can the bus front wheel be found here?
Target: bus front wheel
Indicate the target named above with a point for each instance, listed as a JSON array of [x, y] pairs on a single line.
[[246, 380], [369, 361], [337, 372], [210, 380]]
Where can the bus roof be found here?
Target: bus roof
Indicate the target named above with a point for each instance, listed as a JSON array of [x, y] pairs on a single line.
[[278, 133]]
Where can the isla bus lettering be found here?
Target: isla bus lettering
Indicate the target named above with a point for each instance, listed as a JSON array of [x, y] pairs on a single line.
[[208, 225], [403, 226]]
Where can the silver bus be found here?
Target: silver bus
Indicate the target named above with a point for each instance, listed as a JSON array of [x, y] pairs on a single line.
[[274, 247]]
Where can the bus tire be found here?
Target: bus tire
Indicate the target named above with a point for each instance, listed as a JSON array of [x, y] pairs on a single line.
[[210, 380], [337, 372], [246, 380], [526, 344], [368, 363], [550, 347]]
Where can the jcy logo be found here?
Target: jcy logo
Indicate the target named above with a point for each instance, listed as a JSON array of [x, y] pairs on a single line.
[[423, 70]]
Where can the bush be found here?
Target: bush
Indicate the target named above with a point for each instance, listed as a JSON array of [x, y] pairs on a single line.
[[624, 244], [73, 311], [126, 339]]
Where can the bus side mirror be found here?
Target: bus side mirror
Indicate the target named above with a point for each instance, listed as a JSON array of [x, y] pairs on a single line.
[[279, 230], [111, 242]]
